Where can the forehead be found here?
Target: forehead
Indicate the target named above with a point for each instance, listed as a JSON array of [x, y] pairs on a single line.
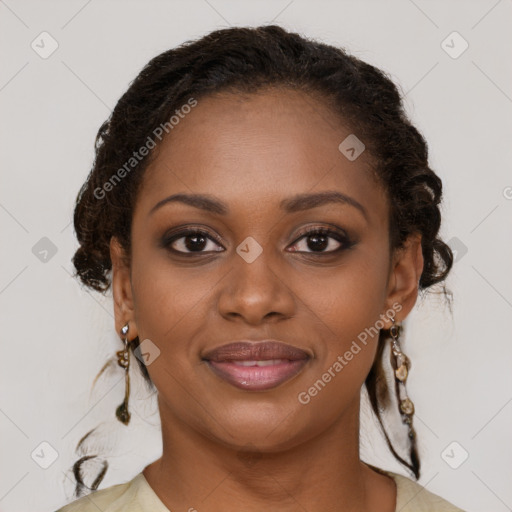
[[256, 149]]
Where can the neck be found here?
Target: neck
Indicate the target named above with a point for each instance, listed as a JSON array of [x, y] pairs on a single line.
[[322, 473]]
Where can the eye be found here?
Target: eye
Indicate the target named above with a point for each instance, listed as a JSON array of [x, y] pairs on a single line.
[[191, 241], [322, 240]]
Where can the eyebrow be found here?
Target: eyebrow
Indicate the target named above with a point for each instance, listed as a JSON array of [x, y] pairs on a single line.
[[306, 201], [293, 204]]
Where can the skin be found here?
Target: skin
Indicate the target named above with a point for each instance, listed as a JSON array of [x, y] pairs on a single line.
[[227, 449]]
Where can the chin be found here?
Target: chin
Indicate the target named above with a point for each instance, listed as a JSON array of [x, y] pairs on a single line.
[[271, 430]]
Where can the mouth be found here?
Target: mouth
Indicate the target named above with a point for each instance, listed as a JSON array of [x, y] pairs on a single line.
[[256, 366]]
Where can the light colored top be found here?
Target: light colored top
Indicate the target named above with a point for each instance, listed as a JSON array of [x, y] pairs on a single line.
[[137, 496]]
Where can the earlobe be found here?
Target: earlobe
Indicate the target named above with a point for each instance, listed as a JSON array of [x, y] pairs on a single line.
[[122, 289], [405, 276]]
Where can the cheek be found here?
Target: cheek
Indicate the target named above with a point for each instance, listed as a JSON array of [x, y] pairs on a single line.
[[169, 312], [348, 298], [348, 303], [345, 303], [168, 299]]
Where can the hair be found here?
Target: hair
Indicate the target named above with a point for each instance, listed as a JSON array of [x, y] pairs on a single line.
[[249, 60]]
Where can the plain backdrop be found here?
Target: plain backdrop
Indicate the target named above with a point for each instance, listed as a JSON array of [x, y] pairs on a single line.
[[56, 335]]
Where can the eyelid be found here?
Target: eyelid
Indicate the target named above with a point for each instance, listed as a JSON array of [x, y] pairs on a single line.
[[339, 235], [180, 232], [331, 231], [326, 228]]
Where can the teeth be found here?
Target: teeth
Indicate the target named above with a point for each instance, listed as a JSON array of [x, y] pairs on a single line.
[[259, 363]]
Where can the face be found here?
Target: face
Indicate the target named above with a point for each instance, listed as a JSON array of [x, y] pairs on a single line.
[[273, 259]]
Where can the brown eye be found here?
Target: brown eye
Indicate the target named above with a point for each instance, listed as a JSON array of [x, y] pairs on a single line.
[[321, 240], [192, 241]]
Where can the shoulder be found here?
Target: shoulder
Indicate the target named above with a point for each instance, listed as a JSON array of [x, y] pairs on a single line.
[[132, 496], [413, 497]]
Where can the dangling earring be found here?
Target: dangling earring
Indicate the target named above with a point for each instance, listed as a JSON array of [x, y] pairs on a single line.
[[123, 360], [401, 364]]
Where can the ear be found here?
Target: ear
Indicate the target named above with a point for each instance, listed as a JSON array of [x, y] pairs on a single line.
[[405, 274], [124, 311]]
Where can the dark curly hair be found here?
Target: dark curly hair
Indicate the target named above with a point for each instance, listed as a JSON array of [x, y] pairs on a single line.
[[247, 60]]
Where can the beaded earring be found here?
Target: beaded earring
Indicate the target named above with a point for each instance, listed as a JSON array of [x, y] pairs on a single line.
[[401, 364], [123, 360]]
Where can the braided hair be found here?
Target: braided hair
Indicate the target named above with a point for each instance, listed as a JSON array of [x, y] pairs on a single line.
[[244, 60]]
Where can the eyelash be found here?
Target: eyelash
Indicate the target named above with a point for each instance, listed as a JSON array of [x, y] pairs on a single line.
[[344, 240]]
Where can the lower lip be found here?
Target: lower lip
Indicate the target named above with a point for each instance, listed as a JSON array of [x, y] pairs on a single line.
[[257, 378]]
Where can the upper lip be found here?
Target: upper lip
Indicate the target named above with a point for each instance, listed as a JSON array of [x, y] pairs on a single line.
[[245, 350]]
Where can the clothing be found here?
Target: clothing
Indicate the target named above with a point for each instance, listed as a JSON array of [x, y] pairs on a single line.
[[137, 496]]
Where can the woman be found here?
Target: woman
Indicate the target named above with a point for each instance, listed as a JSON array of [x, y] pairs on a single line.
[[269, 216]]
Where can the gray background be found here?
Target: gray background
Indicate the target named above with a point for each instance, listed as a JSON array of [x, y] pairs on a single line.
[[56, 335]]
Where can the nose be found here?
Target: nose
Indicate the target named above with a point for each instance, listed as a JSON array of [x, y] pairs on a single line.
[[256, 292]]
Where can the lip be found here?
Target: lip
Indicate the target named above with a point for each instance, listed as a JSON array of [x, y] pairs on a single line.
[[258, 365]]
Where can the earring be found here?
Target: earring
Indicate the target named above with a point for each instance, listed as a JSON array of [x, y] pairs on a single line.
[[401, 364], [123, 360]]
